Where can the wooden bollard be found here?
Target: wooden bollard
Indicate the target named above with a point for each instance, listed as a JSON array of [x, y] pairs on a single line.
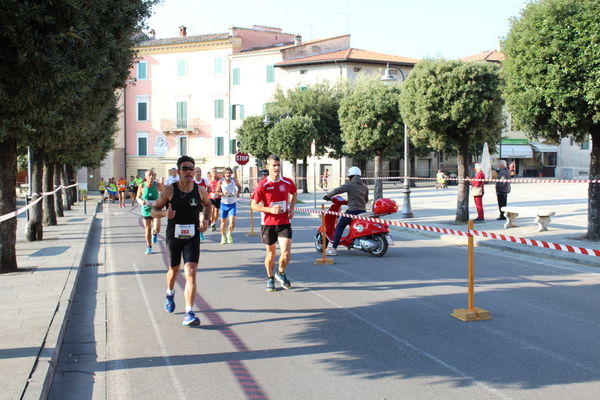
[[251, 233], [323, 259], [471, 313]]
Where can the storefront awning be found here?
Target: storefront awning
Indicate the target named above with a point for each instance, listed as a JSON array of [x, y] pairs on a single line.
[[544, 148], [515, 151]]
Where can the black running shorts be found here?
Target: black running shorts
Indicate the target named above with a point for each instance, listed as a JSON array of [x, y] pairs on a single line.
[[216, 202], [189, 248], [270, 233]]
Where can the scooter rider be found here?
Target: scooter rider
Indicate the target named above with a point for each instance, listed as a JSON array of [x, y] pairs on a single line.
[[358, 197]]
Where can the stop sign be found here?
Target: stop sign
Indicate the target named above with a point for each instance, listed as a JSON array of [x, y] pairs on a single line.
[[242, 158]]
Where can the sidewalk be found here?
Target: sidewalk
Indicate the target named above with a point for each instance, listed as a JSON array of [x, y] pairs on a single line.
[[437, 208], [34, 302]]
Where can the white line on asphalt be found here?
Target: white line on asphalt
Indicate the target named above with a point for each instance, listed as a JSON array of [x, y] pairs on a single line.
[[411, 346], [176, 382]]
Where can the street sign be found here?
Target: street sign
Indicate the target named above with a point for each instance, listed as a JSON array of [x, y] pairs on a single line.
[[242, 158]]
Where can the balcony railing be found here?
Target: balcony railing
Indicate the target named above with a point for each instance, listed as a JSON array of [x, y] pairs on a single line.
[[181, 125]]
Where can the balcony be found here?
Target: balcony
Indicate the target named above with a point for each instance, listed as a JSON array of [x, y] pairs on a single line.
[[177, 126]]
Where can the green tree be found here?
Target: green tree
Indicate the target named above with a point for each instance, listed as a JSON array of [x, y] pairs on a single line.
[[51, 54], [371, 123], [320, 102], [290, 138], [453, 105], [553, 79], [253, 137]]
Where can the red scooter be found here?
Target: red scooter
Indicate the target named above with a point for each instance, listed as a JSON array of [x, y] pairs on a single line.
[[372, 237]]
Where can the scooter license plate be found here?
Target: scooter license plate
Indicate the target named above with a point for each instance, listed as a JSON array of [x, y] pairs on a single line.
[[389, 239]]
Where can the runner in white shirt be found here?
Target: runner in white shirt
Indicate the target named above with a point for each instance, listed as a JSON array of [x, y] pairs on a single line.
[[171, 179], [229, 190]]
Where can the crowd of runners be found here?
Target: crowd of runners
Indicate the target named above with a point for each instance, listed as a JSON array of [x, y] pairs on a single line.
[[192, 204]]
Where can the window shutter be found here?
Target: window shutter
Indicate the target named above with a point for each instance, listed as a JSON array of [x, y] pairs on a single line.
[[219, 146], [270, 73], [232, 149], [241, 116], [181, 114], [142, 146], [236, 76], [142, 111]]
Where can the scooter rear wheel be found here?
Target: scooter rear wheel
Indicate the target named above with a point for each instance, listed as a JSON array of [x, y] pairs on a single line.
[[319, 242], [382, 245]]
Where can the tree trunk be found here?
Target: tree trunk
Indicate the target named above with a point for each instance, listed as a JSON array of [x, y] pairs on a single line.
[[304, 175], [71, 180], [66, 192], [413, 170], [378, 185], [58, 196], [462, 202], [48, 201], [35, 230], [593, 232], [8, 204], [294, 169]]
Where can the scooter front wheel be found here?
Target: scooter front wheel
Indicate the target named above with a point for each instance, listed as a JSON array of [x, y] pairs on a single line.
[[319, 242], [381, 245]]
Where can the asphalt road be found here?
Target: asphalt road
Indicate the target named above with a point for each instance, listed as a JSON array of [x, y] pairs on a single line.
[[364, 328]]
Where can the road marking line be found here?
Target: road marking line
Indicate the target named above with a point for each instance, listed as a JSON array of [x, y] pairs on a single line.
[[176, 382]]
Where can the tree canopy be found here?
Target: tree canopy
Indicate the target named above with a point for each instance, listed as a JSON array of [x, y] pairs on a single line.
[[456, 105], [253, 137], [371, 123], [552, 71], [290, 138]]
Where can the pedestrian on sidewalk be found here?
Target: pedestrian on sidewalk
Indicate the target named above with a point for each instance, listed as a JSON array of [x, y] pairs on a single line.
[[229, 189], [184, 200], [275, 197], [358, 197], [477, 191], [502, 188]]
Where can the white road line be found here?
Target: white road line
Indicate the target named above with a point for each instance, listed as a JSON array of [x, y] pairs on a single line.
[[176, 382], [412, 346]]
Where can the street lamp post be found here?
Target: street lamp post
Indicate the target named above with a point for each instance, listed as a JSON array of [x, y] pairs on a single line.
[[406, 209]]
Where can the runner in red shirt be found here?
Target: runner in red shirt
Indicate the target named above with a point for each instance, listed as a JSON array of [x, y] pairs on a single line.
[[275, 197], [215, 199]]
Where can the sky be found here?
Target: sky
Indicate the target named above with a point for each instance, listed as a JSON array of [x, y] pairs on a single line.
[[418, 29]]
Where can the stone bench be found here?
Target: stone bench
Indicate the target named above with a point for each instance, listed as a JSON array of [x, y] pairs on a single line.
[[542, 216]]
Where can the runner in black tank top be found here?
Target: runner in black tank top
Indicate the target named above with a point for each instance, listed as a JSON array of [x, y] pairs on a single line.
[[184, 200]]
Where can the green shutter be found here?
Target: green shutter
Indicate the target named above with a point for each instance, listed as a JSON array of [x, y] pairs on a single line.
[[236, 76], [270, 73], [241, 116], [232, 146], [182, 114], [142, 71], [142, 111], [219, 104], [232, 112], [142, 146], [219, 144], [181, 67], [218, 65]]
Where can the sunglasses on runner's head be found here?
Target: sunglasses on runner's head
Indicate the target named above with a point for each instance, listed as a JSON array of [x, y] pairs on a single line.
[[184, 168]]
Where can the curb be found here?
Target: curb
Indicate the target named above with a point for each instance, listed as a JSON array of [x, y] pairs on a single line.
[[500, 245], [40, 381]]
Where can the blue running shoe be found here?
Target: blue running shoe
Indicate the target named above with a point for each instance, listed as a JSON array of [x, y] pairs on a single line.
[[148, 250], [270, 285], [202, 236], [170, 303], [154, 237], [190, 319], [280, 276]]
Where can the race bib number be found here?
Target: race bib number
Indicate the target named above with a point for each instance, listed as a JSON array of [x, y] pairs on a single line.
[[150, 203], [184, 231], [282, 204]]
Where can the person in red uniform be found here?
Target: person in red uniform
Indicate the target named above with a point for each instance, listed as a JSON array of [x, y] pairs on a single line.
[[477, 192], [275, 198], [215, 199]]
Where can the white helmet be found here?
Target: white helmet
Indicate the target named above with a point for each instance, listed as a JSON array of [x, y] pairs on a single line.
[[353, 171]]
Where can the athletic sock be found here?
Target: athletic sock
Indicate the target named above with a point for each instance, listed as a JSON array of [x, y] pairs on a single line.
[[170, 292], [188, 309]]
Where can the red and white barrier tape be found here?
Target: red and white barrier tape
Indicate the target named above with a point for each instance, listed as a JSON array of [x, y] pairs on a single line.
[[538, 243], [21, 210], [414, 178]]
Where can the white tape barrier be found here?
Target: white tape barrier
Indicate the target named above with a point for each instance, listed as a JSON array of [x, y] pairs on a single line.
[[21, 210]]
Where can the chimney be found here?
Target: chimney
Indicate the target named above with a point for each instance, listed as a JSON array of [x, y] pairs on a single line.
[[297, 40], [152, 33], [182, 31]]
